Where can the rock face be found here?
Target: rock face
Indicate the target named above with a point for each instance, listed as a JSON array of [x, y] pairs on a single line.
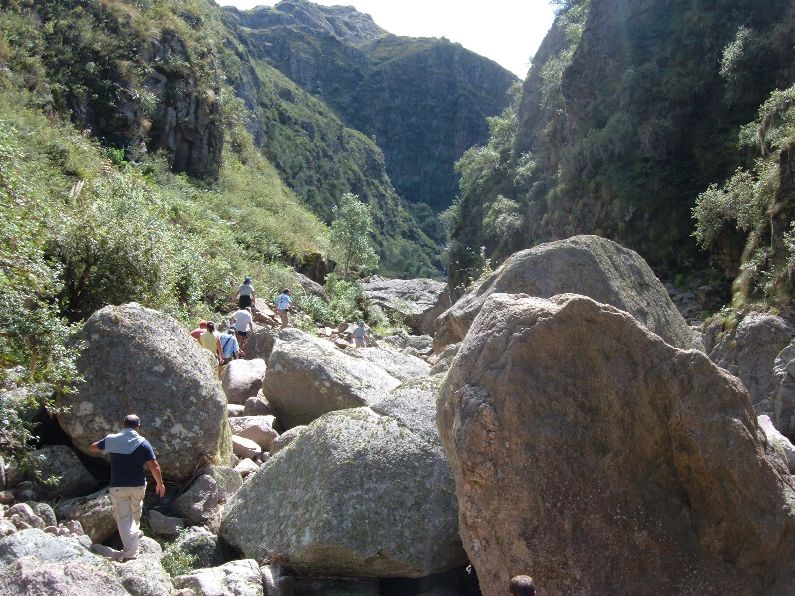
[[94, 512], [418, 301], [355, 494], [784, 398], [60, 462], [242, 379], [165, 376], [750, 352], [403, 367], [587, 265], [630, 466], [308, 377], [237, 578]]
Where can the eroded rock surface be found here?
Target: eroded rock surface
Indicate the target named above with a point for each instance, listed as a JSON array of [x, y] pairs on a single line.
[[587, 265], [165, 376], [592, 454], [418, 301]]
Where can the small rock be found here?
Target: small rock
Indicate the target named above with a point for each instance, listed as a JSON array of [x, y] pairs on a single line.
[[26, 491], [244, 448], [285, 439], [198, 503], [235, 410], [256, 428], [257, 406], [22, 516], [94, 512], [246, 467], [165, 525], [236, 578], [6, 497], [6, 528], [45, 512]]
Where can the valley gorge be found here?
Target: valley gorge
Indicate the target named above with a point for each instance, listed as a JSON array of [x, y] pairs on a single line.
[[541, 327]]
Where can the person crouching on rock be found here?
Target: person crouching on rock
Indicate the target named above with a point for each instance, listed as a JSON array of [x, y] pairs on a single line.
[[129, 453], [283, 303], [245, 294], [522, 585]]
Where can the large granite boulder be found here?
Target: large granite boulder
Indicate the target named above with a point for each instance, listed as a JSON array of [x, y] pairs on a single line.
[[60, 472], [587, 265], [355, 494], [140, 360], [236, 578], [750, 352], [598, 458], [35, 562], [242, 379], [145, 575], [403, 367], [413, 404], [259, 344], [308, 377], [94, 512], [784, 396], [214, 486], [418, 301]]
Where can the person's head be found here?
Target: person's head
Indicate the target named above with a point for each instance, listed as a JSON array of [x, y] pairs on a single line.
[[360, 323], [132, 421], [247, 280], [522, 585], [286, 291], [202, 324], [210, 326]]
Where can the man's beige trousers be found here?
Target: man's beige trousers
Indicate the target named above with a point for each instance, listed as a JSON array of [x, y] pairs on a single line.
[[127, 502]]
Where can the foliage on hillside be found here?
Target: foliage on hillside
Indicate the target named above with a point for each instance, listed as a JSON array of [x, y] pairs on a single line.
[[622, 147], [758, 204]]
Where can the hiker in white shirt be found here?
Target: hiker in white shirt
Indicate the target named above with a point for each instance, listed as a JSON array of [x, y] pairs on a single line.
[[283, 303], [243, 323]]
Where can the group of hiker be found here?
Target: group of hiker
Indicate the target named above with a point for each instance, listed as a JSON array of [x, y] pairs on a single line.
[[229, 345]]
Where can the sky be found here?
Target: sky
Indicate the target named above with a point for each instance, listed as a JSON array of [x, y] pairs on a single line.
[[506, 31]]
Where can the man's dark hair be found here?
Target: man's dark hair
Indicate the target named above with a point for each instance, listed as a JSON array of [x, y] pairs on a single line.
[[522, 585], [210, 326], [131, 421]]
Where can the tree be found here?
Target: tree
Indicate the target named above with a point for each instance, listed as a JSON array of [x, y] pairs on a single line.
[[351, 247]]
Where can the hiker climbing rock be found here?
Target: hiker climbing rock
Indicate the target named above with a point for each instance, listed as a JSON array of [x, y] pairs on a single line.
[[243, 323], [197, 333], [283, 303], [246, 294], [230, 349], [129, 453]]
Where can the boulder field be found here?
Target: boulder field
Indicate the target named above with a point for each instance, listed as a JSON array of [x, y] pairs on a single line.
[[597, 458], [583, 438]]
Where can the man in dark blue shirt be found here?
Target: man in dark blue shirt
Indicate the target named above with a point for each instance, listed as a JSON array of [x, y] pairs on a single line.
[[129, 453]]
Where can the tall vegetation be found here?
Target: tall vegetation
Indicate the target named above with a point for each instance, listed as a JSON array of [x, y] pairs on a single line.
[[351, 246]]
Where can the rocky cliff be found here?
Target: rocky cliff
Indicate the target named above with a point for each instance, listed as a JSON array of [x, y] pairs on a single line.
[[424, 101], [631, 109]]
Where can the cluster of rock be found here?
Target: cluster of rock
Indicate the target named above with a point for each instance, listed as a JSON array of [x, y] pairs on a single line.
[[577, 432]]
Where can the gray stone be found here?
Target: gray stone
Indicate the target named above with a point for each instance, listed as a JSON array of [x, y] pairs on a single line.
[[417, 301], [60, 472], [749, 353], [259, 344], [591, 453], [236, 578], [256, 428], [214, 486], [245, 448], [35, 577], [285, 439], [164, 525], [402, 366], [235, 410], [257, 406], [36, 543], [145, 575], [356, 494], [242, 379], [45, 512], [308, 377], [22, 516], [784, 397], [587, 265], [202, 544], [413, 404], [6, 528], [166, 376], [94, 512], [445, 360], [781, 444], [246, 467]]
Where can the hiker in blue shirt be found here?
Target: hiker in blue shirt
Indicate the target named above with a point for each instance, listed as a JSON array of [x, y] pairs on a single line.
[[129, 453], [231, 349]]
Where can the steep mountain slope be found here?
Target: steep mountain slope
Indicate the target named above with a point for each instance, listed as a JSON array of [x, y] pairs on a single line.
[[147, 77], [425, 101], [631, 109]]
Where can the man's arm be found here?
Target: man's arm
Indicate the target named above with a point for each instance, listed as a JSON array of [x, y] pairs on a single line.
[[154, 468], [98, 447]]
